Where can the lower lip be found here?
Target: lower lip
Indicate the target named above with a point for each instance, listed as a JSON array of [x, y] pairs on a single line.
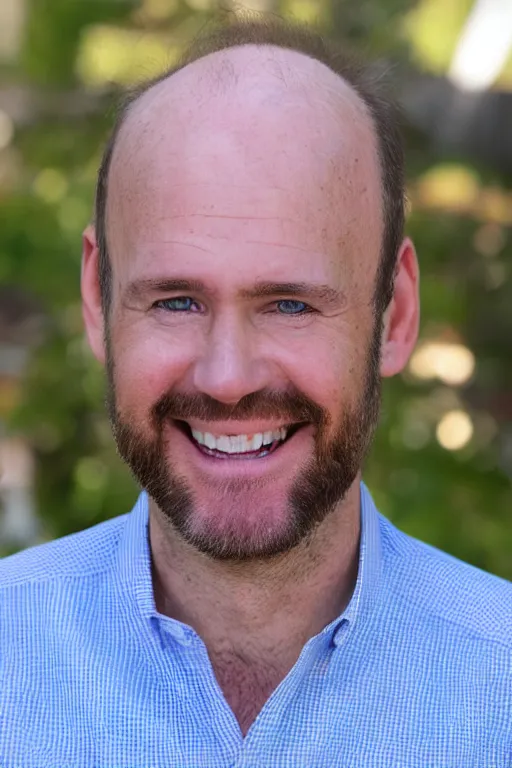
[[289, 452]]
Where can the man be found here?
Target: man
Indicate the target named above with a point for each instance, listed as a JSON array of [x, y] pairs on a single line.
[[247, 285]]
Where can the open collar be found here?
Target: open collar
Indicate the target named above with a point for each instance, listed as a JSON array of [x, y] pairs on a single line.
[[133, 567]]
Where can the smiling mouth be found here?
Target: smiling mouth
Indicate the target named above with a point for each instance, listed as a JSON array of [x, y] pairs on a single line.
[[239, 447]]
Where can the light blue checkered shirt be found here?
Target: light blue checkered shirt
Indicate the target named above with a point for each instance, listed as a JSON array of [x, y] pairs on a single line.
[[417, 671]]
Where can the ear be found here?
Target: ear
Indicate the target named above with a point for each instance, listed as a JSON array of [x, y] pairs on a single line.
[[91, 295], [401, 319]]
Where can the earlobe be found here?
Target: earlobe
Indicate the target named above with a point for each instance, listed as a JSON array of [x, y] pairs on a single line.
[[401, 321], [92, 311]]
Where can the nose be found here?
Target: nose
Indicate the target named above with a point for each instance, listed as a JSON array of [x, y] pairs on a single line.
[[229, 369]]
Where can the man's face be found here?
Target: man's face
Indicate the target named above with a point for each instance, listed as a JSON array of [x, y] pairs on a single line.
[[243, 349]]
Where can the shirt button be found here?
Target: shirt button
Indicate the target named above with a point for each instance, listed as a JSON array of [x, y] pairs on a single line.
[[183, 635], [177, 632]]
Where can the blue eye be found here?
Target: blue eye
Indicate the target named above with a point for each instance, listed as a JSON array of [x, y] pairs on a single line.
[[178, 304], [292, 307]]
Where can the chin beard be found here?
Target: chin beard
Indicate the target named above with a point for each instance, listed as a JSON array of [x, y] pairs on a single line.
[[318, 488]]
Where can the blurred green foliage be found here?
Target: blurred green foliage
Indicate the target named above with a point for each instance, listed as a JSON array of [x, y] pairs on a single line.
[[458, 499]]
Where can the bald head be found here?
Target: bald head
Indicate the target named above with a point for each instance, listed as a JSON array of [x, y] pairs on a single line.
[[249, 87], [242, 133], [252, 113]]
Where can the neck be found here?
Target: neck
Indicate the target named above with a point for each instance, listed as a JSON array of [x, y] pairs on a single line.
[[265, 605]]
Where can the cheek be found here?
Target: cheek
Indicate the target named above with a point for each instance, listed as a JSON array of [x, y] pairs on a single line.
[[328, 368], [147, 365]]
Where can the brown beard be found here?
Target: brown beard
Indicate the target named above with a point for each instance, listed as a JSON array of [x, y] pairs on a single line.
[[321, 484]]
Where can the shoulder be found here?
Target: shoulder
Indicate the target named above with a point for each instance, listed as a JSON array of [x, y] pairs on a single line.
[[472, 601], [78, 555]]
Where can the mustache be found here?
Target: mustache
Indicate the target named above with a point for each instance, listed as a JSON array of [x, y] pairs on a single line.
[[287, 407]]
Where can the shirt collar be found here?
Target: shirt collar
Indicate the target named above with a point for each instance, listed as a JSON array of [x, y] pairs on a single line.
[[364, 597], [133, 566]]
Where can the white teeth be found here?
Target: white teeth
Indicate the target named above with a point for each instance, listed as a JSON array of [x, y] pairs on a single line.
[[224, 444], [238, 443], [267, 437], [209, 440]]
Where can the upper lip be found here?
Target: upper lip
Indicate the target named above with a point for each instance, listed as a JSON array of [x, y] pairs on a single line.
[[235, 428]]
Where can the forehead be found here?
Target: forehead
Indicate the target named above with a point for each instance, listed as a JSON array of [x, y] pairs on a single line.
[[245, 148]]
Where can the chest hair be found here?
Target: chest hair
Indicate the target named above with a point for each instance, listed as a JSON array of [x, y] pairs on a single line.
[[247, 683]]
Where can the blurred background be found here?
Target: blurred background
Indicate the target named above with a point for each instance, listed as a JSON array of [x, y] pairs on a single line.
[[441, 466]]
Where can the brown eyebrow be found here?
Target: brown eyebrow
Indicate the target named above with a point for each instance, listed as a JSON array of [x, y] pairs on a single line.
[[311, 291], [322, 293], [140, 288]]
